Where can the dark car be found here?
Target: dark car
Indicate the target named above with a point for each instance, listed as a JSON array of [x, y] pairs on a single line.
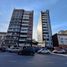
[[36, 48], [2, 49], [27, 50]]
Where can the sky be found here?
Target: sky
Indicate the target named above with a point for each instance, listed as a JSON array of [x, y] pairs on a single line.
[[57, 9]]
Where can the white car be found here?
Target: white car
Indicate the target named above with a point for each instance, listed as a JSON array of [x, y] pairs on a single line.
[[14, 50], [59, 51], [44, 51], [39, 51], [55, 51]]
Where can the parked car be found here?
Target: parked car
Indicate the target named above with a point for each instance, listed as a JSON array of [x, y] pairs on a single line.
[[2, 49], [36, 49], [14, 50], [27, 50], [62, 51], [55, 51], [44, 51], [39, 51]]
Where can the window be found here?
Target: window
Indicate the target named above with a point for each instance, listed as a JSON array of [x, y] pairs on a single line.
[[25, 21], [47, 39], [61, 38], [45, 32], [44, 20], [45, 35], [61, 41], [14, 37], [65, 38], [24, 29]]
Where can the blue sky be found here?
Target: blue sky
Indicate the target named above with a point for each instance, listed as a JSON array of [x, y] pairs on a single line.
[[57, 8]]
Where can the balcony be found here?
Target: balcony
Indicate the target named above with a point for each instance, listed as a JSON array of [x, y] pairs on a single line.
[[24, 31], [22, 40], [23, 35]]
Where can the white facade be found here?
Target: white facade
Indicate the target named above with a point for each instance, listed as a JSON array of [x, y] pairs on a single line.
[[39, 31], [62, 39]]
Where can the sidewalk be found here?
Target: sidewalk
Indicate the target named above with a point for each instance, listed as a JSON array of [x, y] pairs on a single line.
[[60, 54]]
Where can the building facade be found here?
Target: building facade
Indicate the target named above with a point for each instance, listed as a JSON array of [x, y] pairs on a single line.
[[44, 33], [60, 40], [20, 28], [2, 37]]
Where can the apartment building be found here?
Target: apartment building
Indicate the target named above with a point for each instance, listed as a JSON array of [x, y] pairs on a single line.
[[20, 28], [44, 33]]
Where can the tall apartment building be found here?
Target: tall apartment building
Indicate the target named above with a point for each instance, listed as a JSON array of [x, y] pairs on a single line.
[[44, 33], [20, 28]]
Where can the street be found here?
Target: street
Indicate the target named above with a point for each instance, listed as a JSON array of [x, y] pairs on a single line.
[[14, 60]]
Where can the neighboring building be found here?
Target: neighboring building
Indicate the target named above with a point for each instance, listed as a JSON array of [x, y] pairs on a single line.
[[2, 37], [62, 32], [60, 40], [20, 28], [44, 33]]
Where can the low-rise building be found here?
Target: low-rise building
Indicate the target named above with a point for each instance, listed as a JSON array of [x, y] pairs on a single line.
[[2, 37], [60, 40]]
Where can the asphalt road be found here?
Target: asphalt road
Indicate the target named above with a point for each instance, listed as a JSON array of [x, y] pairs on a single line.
[[14, 60]]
